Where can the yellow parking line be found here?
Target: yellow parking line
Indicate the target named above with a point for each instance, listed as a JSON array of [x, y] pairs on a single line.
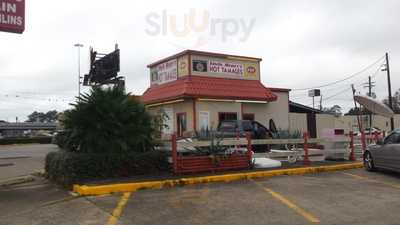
[[308, 216], [372, 180], [355, 176], [118, 210]]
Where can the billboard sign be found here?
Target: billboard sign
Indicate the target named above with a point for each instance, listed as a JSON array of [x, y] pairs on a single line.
[[225, 68], [12, 16], [314, 93], [103, 68], [164, 72]]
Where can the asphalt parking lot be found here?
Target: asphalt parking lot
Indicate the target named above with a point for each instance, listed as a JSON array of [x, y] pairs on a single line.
[[21, 160], [344, 197]]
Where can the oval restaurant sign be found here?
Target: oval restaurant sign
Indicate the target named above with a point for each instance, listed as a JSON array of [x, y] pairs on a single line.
[[12, 16], [251, 69]]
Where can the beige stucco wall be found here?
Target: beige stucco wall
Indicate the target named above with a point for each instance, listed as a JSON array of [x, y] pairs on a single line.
[[263, 112], [214, 108], [297, 122], [383, 123], [279, 110], [180, 107], [184, 107], [260, 111], [324, 121]]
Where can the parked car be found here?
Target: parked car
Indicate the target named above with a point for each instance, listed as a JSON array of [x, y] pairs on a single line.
[[385, 154], [235, 128]]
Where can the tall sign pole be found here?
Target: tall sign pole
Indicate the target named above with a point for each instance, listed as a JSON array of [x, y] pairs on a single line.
[[389, 89], [314, 93], [370, 95], [370, 85], [79, 46], [355, 108]]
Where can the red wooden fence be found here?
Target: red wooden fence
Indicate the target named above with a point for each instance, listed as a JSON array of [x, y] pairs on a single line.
[[239, 160], [193, 164]]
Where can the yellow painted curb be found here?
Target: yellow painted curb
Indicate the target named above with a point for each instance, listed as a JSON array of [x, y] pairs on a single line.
[[129, 187]]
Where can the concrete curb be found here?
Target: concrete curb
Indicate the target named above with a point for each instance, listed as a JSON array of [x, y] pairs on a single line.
[[15, 181], [130, 187], [6, 164], [16, 157]]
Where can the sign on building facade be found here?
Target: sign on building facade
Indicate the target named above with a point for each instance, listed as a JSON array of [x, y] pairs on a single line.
[[225, 68], [164, 72], [12, 16], [199, 65]]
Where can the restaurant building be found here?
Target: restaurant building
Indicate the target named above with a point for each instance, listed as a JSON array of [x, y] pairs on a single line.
[[196, 90]]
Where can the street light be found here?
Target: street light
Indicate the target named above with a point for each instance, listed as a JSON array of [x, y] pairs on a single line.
[[79, 46]]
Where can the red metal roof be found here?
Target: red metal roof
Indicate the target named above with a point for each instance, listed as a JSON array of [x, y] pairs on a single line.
[[208, 87], [276, 89]]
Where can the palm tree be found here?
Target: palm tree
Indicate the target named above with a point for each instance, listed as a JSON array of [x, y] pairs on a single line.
[[108, 120]]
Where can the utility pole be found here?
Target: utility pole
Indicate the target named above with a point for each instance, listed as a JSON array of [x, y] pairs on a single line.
[[370, 95], [387, 69], [369, 85], [313, 103], [355, 108], [320, 103]]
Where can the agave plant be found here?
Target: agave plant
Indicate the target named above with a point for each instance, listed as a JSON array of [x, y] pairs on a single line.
[[108, 120], [216, 151], [286, 134]]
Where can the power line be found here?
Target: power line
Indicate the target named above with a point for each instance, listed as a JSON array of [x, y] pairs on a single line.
[[344, 79], [50, 99], [338, 93], [358, 84]]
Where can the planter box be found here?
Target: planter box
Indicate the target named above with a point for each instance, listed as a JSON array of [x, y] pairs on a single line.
[[192, 164]]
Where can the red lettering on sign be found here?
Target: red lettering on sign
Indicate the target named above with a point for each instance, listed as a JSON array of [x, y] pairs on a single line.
[[251, 69]]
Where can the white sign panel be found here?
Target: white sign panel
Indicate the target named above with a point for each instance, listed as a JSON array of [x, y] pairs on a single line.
[[227, 68], [164, 72]]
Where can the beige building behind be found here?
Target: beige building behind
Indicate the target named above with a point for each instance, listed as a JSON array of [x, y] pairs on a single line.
[[298, 122]]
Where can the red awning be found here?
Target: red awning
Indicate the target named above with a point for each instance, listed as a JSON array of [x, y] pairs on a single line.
[[208, 87]]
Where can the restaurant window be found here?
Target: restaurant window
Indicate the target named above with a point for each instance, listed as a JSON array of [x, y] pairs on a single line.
[[248, 116], [181, 123], [227, 116], [154, 76]]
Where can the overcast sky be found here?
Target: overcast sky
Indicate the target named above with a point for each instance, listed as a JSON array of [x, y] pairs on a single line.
[[302, 44]]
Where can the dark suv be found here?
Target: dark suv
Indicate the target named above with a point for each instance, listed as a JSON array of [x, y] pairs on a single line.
[[235, 128]]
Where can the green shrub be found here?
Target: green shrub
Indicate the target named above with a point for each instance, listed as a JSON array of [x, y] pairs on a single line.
[[27, 140], [68, 168], [107, 120]]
